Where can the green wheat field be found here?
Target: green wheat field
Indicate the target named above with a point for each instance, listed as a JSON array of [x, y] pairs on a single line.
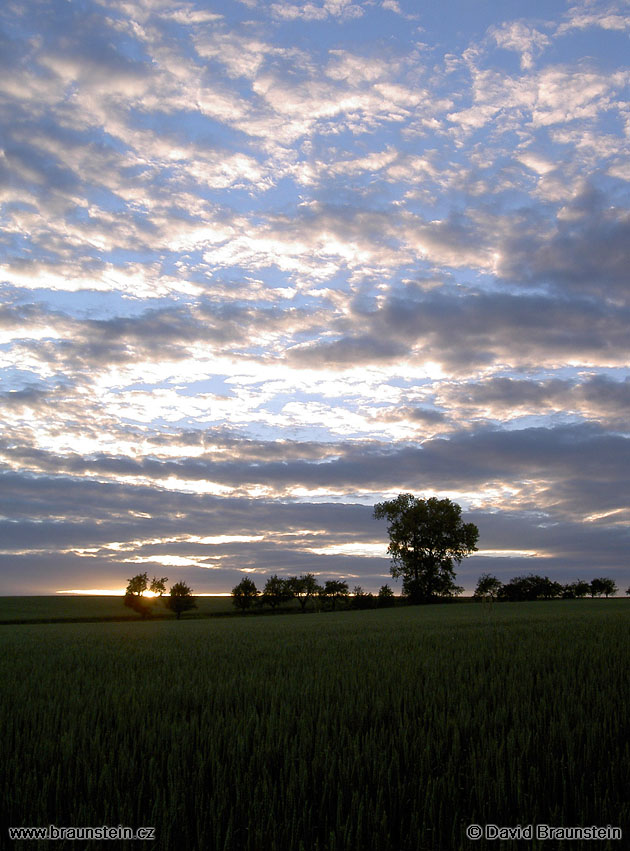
[[383, 730]]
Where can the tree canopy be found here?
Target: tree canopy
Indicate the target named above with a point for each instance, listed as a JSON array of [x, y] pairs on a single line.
[[426, 538], [181, 599], [603, 585], [488, 587], [334, 590], [244, 594], [303, 588], [135, 593], [276, 591]]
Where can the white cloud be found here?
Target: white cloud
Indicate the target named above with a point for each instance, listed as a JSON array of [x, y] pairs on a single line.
[[343, 9], [584, 16], [536, 162], [523, 39]]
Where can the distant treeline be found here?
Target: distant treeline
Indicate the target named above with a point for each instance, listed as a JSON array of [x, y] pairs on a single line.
[[334, 593], [534, 587]]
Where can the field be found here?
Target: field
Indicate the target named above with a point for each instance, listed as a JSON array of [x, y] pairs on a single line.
[[384, 730], [85, 608]]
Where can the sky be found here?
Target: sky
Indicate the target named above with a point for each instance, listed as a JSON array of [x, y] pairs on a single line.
[[266, 264]]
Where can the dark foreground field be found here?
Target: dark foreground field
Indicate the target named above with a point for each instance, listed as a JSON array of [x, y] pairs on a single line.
[[385, 730]]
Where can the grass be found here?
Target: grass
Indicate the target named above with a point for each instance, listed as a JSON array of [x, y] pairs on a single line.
[[388, 730], [75, 608]]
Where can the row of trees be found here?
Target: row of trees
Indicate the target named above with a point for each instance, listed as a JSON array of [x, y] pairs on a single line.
[[330, 595], [427, 538], [534, 587], [142, 595]]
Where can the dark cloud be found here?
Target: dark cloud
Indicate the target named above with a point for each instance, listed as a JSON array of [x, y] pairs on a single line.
[[348, 351], [421, 414], [607, 394], [545, 464], [476, 329], [29, 397], [586, 252], [597, 398]]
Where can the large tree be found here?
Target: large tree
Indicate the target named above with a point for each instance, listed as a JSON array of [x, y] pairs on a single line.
[[426, 538]]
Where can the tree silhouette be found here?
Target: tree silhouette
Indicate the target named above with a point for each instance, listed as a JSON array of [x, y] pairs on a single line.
[[303, 588], [426, 537], [335, 590], [158, 586], [244, 594], [532, 587], [603, 585], [488, 587], [385, 597], [136, 590], [277, 591], [576, 590], [180, 600], [362, 599]]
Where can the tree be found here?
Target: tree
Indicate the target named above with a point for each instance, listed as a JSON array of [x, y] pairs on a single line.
[[582, 588], [181, 599], [244, 594], [303, 588], [362, 599], [276, 591], [136, 597], [385, 597], [532, 587], [158, 586], [488, 587], [334, 590], [426, 537], [603, 585], [576, 590]]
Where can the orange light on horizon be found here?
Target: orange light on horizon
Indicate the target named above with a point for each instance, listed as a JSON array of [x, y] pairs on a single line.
[[103, 592]]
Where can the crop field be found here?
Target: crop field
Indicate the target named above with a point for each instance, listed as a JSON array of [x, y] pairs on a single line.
[[384, 730], [84, 608]]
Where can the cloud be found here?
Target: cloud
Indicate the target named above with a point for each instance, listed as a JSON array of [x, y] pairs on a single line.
[[341, 9], [584, 16], [522, 38], [586, 252], [472, 331], [112, 522], [598, 398], [537, 463], [265, 265]]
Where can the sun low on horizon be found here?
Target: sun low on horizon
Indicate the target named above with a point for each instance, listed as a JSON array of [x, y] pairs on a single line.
[[265, 265]]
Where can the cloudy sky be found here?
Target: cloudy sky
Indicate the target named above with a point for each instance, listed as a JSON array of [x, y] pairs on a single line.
[[264, 264]]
